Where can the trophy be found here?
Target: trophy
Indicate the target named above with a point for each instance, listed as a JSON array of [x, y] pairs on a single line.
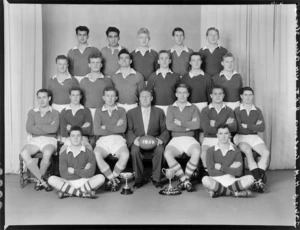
[[169, 173], [126, 190]]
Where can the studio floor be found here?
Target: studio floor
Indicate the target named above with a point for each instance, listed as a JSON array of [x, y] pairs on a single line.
[[25, 206]]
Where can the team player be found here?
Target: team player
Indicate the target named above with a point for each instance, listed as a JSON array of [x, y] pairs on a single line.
[[163, 82], [199, 83], [146, 120], [78, 55], [60, 84], [230, 81], [94, 83], [110, 123], [250, 121], [127, 81], [212, 53], [75, 115], [182, 120], [110, 52], [77, 166], [215, 114], [224, 163], [144, 59], [180, 53], [42, 123]]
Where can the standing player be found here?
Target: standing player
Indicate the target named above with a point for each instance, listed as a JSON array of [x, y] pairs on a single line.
[[230, 81], [77, 166], [60, 84], [146, 120], [78, 55], [250, 121], [212, 53], [224, 163], [163, 82], [144, 59], [111, 51], [127, 81], [42, 123], [110, 123], [180, 54], [182, 120]]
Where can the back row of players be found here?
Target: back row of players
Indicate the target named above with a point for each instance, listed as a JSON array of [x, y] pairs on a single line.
[[181, 98]]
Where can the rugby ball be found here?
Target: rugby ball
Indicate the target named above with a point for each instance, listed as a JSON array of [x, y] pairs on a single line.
[[147, 142]]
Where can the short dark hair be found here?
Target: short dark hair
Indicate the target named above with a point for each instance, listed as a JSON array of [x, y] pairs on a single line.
[[147, 90], [124, 51], [195, 54], [75, 128], [212, 28], [63, 57], [48, 92], [164, 52], [181, 85], [95, 55], [246, 88], [217, 87], [177, 29], [227, 55], [75, 88], [112, 29], [222, 126], [82, 28], [110, 88]]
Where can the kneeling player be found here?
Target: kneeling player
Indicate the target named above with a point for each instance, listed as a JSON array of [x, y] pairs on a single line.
[[224, 162], [182, 119], [77, 166], [110, 123]]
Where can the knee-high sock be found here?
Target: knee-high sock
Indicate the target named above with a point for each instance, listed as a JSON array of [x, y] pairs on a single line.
[[86, 187], [107, 173], [66, 188], [34, 169], [178, 171], [190, 168], [118, 169], [255, 173], [222, 190], [261, 172], [236, 186]]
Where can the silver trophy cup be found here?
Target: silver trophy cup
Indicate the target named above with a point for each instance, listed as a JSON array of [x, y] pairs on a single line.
[[126, 190]]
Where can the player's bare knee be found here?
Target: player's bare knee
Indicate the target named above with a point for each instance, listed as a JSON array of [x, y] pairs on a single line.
[[100, 178], [52, 180], [206, 181], [249, 179]]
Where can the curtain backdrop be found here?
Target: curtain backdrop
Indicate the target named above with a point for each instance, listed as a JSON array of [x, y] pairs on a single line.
[[23, 74], [261, 37]]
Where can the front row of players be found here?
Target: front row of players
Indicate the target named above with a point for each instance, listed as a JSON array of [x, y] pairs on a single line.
[[220, 158]]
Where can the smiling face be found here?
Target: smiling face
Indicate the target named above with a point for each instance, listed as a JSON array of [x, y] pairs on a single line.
[[43, 99], [124, 60]]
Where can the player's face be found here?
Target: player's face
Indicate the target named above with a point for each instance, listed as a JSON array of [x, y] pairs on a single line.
[[217, 95], [247, 97], [195, 62], [223, 135], [75, 97], [164, 60], [113, 39], [110, 98], [95, 64], [145, 99], [124, 60], [75, 137], [178, 37], [182, 94], [62, 65], [82, 37], [227, 63], [143, 40], [43, 99], [212, 37]]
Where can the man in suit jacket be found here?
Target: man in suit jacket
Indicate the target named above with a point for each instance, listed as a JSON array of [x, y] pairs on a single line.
[[146, 120]]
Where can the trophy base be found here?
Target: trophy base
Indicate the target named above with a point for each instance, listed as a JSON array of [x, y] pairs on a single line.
[[170, 192], [126, 191]]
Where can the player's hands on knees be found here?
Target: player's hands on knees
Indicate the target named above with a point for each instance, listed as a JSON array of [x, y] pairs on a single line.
[[120, 122], [217, 166], [86, 124], [71, 170], [136, 141], [235, 164], [88, 166]]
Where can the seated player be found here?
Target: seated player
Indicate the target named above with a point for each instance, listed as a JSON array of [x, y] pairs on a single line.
[[163, 82], [127, 81], [77, 167], [212, 116], [78, 55], [146, 120], [94, 83], [180, 54], [110, 123], [250, 121], [182, 120], [111, 51], [212, 53], [75, 115], [60, 84], [230, 81], [42, 123], [224, 163], [144, 59]]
